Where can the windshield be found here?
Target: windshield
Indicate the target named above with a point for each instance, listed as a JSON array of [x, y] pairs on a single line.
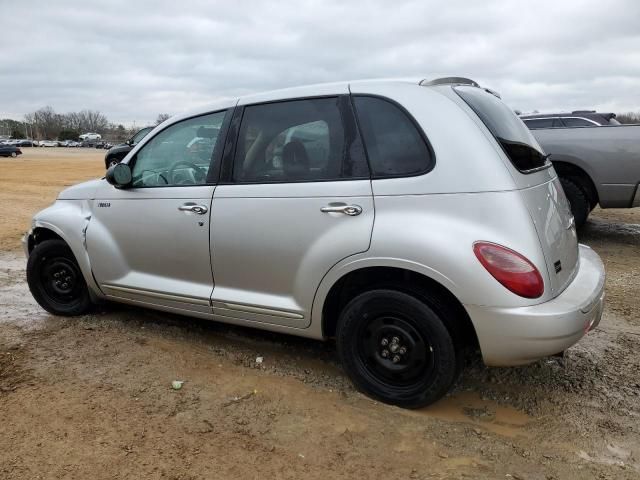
[[513, 135]]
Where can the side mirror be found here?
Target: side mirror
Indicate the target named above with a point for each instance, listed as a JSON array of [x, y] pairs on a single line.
[[119, 175]]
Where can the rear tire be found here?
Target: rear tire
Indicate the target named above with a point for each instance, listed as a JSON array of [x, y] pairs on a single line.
[[578, 199], [14, 154], [396, 348], [55, 279]]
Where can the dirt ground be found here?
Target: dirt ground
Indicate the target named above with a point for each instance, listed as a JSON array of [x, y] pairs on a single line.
[[92, 398]]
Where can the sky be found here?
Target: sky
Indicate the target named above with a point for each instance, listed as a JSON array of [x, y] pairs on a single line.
[[135, 59]]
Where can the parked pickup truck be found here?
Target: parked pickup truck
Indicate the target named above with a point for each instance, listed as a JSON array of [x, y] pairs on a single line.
[[596, 165]]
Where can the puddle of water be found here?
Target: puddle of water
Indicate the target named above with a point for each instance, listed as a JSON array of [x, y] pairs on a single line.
[[469, 408], [17, 306]]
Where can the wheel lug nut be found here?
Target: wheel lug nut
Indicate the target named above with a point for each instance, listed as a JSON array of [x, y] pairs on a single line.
[[385, 353], [56, 275], [64, 285], [402, 350], [395, 340], [395, 359], [67, 279], [384, 342]]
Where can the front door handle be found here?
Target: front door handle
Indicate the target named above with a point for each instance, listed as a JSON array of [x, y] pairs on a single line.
[[351, 210], [192, 207]]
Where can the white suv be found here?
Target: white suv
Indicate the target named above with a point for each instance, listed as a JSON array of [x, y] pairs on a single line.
[[406, 219]]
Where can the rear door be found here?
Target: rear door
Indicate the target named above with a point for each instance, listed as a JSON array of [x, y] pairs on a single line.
[[294, 199]]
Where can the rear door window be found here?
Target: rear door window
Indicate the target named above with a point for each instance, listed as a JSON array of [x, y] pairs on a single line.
[[394, 144], [511, 133], [299, 141]]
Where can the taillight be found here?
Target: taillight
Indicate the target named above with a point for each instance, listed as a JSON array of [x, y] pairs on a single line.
[[510, 268]]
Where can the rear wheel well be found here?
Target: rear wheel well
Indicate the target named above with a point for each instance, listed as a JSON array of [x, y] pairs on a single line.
[[415, 284], [580, 177], [41, 234]]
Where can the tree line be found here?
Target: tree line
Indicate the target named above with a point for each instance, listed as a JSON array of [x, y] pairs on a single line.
[[629, 117], [46, 123]]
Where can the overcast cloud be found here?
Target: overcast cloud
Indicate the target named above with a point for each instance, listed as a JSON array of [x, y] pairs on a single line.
[[135, 59]]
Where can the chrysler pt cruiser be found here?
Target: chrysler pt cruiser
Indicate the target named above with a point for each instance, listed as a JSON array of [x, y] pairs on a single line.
[[407, 220]]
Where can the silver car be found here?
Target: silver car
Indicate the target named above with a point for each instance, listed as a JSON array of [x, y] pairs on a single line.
[[407, 220]]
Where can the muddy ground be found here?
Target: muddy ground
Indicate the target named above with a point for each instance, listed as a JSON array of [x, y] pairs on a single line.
[[92, 398]]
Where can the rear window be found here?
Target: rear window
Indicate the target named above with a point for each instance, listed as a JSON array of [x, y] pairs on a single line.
[[514, 137]]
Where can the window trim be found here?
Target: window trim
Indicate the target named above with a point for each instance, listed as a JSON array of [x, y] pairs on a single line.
[[212, 175], [229, 155], [561, 119], [413, 121]]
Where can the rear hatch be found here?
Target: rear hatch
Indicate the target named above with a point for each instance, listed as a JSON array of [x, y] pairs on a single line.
[[538, 183], [551, 214]]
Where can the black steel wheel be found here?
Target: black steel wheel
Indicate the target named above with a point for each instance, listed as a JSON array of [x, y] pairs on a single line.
[[55, 279], [395, 348]]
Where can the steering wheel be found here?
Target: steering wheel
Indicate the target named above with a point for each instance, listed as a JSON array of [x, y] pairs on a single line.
[[197, 176]]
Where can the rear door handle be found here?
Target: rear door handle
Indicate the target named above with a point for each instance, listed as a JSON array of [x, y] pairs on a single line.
[[351, 210], [192, 207]]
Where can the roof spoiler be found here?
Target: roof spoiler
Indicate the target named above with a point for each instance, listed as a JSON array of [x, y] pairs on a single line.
[[456, 81], [449, 81]]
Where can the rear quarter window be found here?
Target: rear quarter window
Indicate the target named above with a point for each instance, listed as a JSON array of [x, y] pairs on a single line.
[[511, 133], [394, 144]]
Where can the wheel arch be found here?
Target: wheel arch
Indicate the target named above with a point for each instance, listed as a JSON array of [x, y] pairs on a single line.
[[405, 278], [578, 174], [45, 230], [40, 234]]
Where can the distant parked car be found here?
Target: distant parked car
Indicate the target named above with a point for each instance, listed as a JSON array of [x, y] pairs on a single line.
[[596, 166], [9, 151], [49, 143], [25, 143], [99, 144], [117, 153], [577, 118], [90, 136]]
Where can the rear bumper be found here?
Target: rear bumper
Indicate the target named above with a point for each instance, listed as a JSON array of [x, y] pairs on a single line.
[[516, 336]]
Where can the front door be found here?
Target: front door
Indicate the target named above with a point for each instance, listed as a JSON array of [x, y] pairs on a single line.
[[149, 244], [293, 200]]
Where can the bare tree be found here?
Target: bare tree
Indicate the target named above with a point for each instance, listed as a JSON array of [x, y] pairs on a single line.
[[162, 117], [92, 121], [629, 117], [46, 121]]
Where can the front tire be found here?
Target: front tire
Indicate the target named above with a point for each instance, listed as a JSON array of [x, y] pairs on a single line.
[[14, 154], [396, 348], [55, 279]]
